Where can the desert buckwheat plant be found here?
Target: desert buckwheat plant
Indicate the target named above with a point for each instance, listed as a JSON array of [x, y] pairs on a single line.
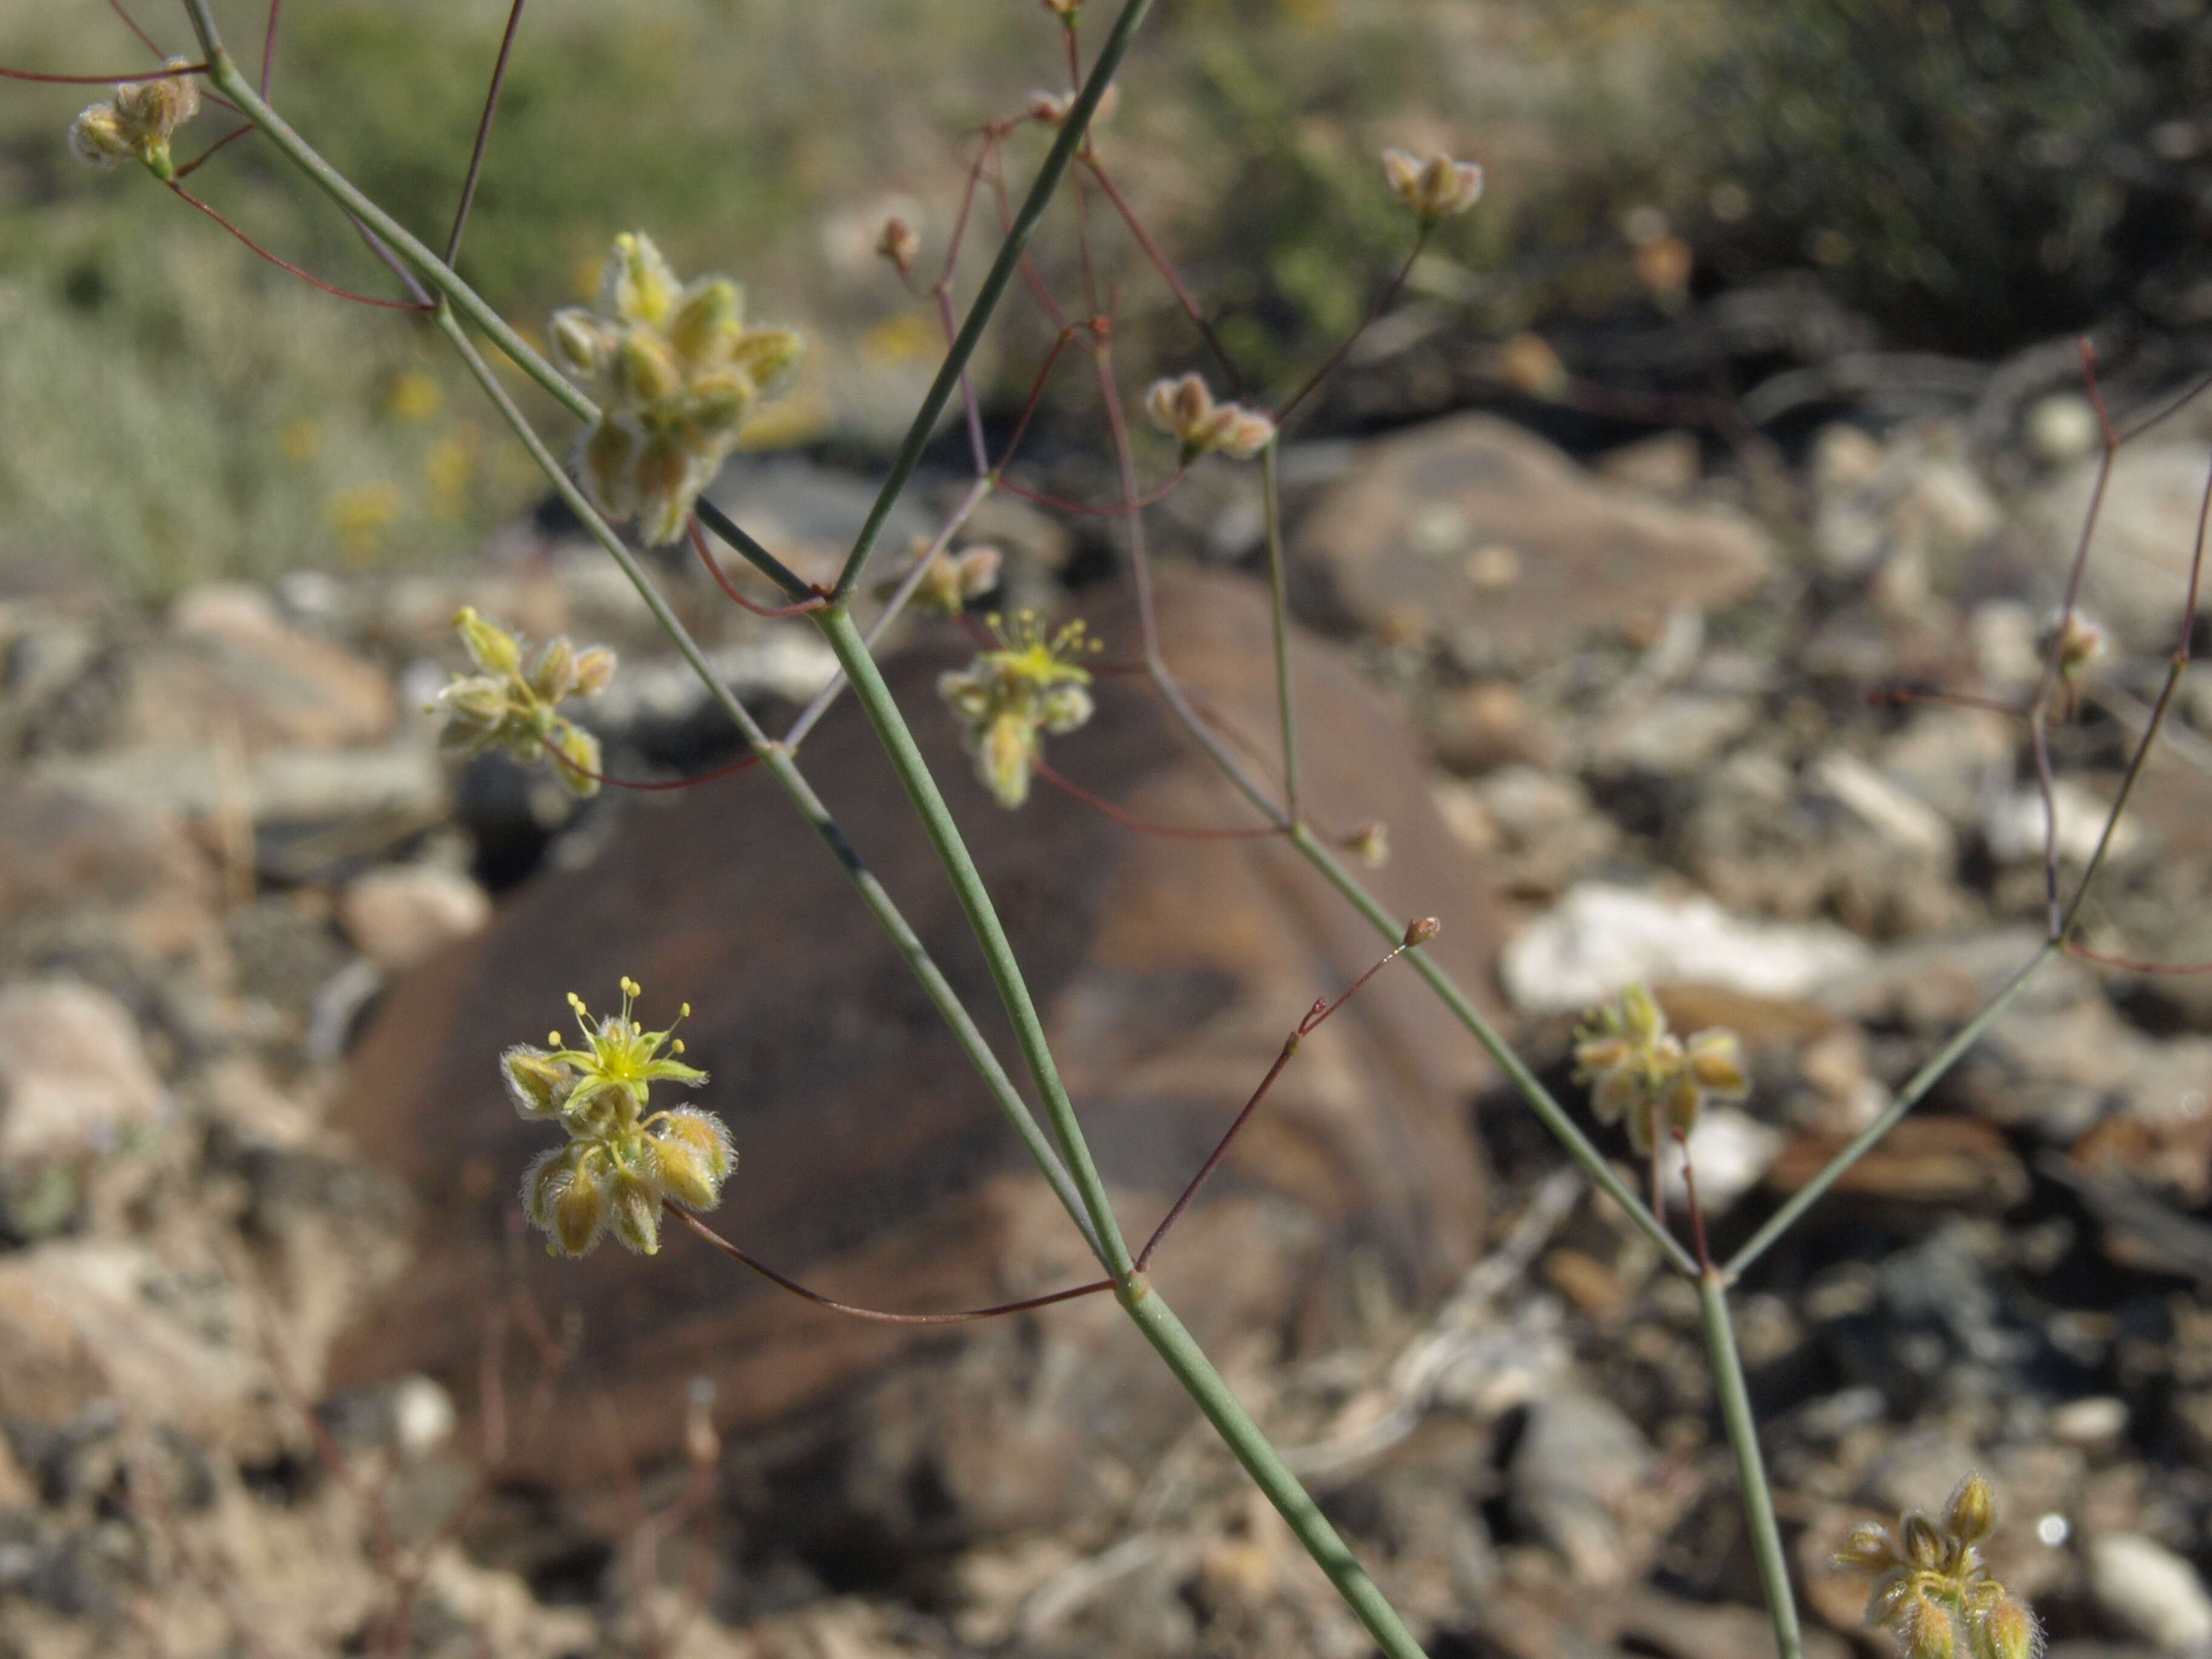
[[657, 379]]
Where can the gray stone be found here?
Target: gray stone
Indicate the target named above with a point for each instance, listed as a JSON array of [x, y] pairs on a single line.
[[76, 1079], [399, 914], [1404, 544], [2138, 567], [2150, 1591], [1579, 1463]]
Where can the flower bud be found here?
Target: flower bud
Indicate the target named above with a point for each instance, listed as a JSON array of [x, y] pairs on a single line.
[[1065, 9], [1421, 930], [638, 286], [580, 341], [633, 1213], [767, 355], [96, 137], [1640, 1015], [645, 370], [536, 1082], [1971, 1514], [900, 245], [476, 702], [489, 645], [553, 676], [692, 1156], [1929, 1632], [1369, 844], [564, 1195], [708, 322], [595, 671], [1051, 108], [1063, 709], [578, 763], [2008, 1631], [1240, 432], [610, 452], [1868, 1548], [1715, 1059], [2080, 642], [1003, 759], [1924, 1544], [666, 488]]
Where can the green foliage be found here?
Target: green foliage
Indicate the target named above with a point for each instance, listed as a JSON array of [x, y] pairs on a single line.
[[1965, 169]]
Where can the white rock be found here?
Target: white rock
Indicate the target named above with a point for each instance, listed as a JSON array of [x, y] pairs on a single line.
[[422, 1416], [2093, 1421], [1600, 938], [74, 1076], [1730, 1150], [400, 914], [2014, 825], [2062, 426], [2150, 1591]]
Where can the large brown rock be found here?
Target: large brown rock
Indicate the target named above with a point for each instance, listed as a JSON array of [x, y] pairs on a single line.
[[874, 1163], [1477, 533]]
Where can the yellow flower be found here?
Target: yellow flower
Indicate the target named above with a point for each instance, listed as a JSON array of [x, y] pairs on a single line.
[[621, 1164], [1009, 699], [676, 371], [505, 706], [1640, 1070]]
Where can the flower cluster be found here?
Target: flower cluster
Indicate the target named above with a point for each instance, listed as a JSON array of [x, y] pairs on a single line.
[[675, 370], [620, 1165], [1435, 187], [137, 122], [1641, 1070], [1931, 1588], [1009, 698], [952, 579], [505, 705], [1186, 411]]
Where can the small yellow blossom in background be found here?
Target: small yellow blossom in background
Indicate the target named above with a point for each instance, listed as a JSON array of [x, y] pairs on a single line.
[[1184, 409], [360, 514], [137, 122], [620, 1166], [675, 371], [1932, 1591], [301, 438], [504, 706], [413, 396], [450, 465], [1638, 1069], [1007, 700], [1433, 188]]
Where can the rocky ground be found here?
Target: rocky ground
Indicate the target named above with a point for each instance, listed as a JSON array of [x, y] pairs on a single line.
[[276, 1376]]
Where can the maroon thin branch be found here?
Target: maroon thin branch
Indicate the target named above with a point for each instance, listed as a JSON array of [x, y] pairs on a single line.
[[730, 588], [308, 277], [1418, 933], [1099, 804], [966, 1316], [483, 133]]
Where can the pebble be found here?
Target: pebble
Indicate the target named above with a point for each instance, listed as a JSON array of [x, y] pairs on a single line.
[[2146, 1588]]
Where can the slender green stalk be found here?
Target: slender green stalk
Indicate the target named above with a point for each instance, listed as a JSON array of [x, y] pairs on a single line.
[[1750, 1468], [1278, 588], [1539, 1098], [1269, 1473], [883, 710], [779, 761], [1909, 1096], [1073, 128]]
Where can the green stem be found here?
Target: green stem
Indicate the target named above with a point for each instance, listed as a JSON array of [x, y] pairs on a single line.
[[779, 761], [1750, 1469], [1279, 590], [1269, 1473], [882, 711], [1073, 130], [1539, 1098], [1923, 1080]]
